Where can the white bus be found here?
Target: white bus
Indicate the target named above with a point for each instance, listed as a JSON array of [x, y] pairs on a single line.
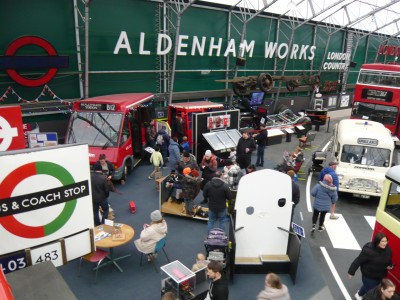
[[364, 152]]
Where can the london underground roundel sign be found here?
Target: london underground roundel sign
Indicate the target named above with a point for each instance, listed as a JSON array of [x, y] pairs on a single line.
[[11, 224], [11, 61]]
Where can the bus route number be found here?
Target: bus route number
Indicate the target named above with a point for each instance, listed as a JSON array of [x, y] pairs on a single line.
[[110, 107], [14, 262], [51, 252], [53, 255]]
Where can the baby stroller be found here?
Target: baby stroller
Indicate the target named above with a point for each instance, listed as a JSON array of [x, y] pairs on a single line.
[[318, 159], [217, 245]]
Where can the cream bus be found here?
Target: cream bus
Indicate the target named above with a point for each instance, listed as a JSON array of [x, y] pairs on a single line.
[[364, 152]]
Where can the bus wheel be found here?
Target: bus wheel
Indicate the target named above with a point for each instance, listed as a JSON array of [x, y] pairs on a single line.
[[127, 169]]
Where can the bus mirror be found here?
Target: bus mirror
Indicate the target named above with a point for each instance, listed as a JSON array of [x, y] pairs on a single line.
[[336, 153]]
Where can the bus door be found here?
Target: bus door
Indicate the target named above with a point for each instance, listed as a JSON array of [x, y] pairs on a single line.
[[125, 142], [136, 133]]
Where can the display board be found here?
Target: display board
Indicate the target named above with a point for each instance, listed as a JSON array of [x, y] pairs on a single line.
[[229, 121], [44, 197], [263, 203]]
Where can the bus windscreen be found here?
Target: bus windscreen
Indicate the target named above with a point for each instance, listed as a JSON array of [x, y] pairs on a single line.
[[100, 129], [384, 114]]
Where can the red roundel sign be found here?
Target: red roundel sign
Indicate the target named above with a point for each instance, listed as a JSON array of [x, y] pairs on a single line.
[[11, 61]]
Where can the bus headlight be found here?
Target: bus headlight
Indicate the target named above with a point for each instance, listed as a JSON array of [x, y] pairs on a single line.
[[340, 176], [378, 190]]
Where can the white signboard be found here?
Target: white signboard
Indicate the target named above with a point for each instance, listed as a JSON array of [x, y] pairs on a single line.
[[263, 203], [50, 252], [44, 195]]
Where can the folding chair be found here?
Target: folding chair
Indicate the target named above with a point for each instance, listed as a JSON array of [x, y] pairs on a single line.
[[94, 257], [307, 140], [159, 246]]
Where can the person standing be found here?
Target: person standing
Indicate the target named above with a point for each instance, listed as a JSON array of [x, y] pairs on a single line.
[[106, 166], [177, 129], [218, 289], [208, 167], [331, 170], [274, 289], [100, 193], [151, 135], [162, 140], [232, 174], [187, 160], [386, 290], [174, 153], [245, 146], [157, 161], [185, 146], [375, 260], [190, 183], [261, 139], [217, 192], [325, 194]]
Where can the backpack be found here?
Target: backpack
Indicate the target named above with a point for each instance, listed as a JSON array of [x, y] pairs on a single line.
[[216, 237], [159, 139]]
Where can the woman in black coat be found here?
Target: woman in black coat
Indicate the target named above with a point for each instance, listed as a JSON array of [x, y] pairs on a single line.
[[375, 259]]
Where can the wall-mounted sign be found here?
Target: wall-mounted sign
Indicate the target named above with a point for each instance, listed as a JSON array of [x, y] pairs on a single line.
[[11, 128], [12, 62]]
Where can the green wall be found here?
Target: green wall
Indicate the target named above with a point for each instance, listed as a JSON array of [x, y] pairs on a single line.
[[110, 73]]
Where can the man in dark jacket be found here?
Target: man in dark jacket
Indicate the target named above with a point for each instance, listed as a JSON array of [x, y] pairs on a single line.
[[100, 193], [218, 289], [245, 146], [261, 139], [217, 193]]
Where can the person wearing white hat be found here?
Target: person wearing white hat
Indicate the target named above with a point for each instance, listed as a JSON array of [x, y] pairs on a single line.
[[208, 167], [152, 233]]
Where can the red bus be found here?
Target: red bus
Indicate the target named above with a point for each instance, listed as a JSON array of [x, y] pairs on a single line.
[[388, 219], [113, 125], [377, 95]]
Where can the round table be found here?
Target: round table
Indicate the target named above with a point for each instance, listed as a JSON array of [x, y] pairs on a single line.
[[111, 243]]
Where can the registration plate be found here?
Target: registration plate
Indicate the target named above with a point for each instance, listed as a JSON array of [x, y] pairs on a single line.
[[362, 196]]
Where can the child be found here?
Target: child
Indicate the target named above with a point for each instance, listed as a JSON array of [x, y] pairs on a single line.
[[157, 160], [185, 144], [201, 262]]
